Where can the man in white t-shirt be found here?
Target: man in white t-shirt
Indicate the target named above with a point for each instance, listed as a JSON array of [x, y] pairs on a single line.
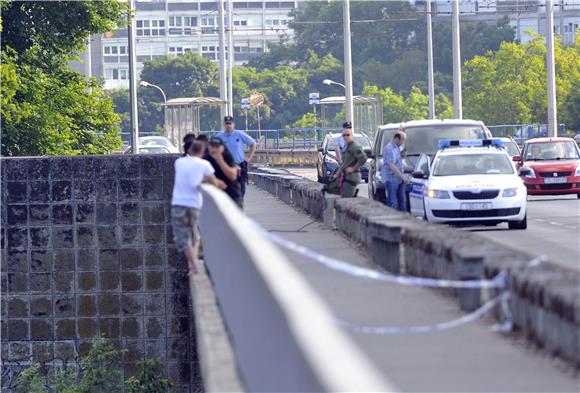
[[191, 171]]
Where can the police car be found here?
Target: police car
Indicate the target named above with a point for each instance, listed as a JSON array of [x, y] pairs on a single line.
[[469, 182]]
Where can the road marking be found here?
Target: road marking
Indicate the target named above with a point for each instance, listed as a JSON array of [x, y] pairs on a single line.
[[539, 219], [556, 223]]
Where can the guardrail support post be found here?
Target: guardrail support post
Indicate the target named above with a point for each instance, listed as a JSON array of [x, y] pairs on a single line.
[[328, 212], [469, 268]]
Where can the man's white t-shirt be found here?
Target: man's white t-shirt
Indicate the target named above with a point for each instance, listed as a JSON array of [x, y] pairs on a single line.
[[189, 174]]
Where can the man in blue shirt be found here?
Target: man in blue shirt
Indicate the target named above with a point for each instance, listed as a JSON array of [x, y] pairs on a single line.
[[235, 141], [393, 173]]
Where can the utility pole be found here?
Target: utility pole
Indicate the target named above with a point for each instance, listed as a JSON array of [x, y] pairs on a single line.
[[133, 79], [430, 80], [222, 59], [230, 58], [550, 68], [347, 62], [457, 100]]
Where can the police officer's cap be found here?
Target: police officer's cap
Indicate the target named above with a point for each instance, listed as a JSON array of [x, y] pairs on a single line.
[[347, 124], [228, 119]]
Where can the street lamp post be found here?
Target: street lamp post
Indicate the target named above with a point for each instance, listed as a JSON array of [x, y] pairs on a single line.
[[550, 70], [430, 80], [457, 99], [147, 84], [131, 30], [347, 61]]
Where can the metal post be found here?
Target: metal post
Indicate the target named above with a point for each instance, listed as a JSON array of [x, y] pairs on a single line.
[[230, 57], [347, 61], [88, 60], [550, 68], [222, 60], [457, 100], [430, 79], [133, 79]]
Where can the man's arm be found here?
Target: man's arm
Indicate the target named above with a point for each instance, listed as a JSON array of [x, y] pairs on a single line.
[[390, 162], [214, 181], [337, 153], [230, 171], [252, 152]]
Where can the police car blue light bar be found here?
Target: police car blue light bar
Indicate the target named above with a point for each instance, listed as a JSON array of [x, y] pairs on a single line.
[[445, 143]]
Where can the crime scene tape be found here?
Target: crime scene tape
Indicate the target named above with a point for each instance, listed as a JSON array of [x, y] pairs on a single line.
[[357, 271], [438, 327], [288, 176]]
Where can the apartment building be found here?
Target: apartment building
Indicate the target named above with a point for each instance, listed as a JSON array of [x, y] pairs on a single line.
[[174, 27]]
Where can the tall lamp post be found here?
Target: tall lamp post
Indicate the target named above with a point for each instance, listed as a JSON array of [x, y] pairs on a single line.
[[457, 99], [131, 29], [430, 80], [147, 84], [550, 68], [347, 61]]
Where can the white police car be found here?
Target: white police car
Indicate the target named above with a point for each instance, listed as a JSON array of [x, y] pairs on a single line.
[[469, 182]]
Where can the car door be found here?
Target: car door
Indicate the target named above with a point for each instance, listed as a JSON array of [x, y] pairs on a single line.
[[418, 185]]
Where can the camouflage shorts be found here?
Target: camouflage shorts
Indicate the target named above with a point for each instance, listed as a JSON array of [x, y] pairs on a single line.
[[184, 222]]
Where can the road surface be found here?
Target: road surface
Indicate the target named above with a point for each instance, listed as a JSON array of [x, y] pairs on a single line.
[[553, 226]]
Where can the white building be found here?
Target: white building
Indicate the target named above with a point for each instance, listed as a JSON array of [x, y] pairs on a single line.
[[173, 27]]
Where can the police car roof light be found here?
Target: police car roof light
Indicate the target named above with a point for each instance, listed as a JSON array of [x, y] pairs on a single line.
[[443, 143]]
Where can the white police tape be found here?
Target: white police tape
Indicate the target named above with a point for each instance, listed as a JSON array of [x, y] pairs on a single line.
[[288, 176], [486, 307], [357, 271]]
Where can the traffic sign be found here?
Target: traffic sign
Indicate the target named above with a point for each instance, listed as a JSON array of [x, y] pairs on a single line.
[[256, 99], [246, 103], [314, 98]]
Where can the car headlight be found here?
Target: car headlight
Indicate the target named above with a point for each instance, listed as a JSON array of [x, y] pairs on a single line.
[[509, 192], [437, 194], [577, 172]]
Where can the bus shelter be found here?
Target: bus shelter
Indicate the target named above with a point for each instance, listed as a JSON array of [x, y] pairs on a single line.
[[183, 115], [368, 113]]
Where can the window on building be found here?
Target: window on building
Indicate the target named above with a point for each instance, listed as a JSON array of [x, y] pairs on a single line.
[[208, 25], [240, 22], [115, 53], [211, 52], [181, 25], [115, 74], [276, 22], [178, 50], [150, 28]]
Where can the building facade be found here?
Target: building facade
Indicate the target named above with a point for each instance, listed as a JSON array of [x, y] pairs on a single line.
[[174, 27]]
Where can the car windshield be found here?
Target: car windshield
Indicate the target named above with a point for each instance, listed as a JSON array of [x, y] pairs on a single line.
[[360, 139], [551, 151], [385, 138], [153, 150], [155, 141], [511, 148], [424, 139], [472, 164]]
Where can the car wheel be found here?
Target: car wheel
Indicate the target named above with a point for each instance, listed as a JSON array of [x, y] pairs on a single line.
[[519, 224], [578, 196]]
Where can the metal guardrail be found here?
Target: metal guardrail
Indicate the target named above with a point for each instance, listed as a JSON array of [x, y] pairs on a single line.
[[522, 132], [283, 334]]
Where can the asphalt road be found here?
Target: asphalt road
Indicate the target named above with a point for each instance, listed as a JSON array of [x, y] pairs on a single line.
[[553, 226]]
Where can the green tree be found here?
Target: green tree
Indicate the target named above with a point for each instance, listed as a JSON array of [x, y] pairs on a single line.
[[47, 108], [508, 86], [147, 380]]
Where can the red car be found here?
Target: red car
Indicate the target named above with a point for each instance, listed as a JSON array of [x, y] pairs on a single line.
[[550, 166]]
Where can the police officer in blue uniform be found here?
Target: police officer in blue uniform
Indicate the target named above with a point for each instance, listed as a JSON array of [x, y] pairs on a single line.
[[235, 141]]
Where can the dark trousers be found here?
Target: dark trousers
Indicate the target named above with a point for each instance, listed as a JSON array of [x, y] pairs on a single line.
[[396, 195], [243, 177]]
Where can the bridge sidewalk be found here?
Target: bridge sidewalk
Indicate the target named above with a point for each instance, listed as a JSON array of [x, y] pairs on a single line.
[[466, 359]]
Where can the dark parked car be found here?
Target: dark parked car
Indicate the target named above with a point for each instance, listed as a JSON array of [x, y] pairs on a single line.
[[326, 162]]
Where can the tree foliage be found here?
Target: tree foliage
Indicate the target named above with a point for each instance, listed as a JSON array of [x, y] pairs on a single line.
[[100, 370], [508, 86], [47, 108]]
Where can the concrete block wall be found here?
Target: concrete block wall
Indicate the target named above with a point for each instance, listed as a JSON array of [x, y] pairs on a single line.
[[87, 251], [544, 298]]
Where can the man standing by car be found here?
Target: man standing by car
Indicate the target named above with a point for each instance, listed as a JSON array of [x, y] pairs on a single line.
[[235, 141], [348, 176], [393, 173], [225, 168], [341, 145]]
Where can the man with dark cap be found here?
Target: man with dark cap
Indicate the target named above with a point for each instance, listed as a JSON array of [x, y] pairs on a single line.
[[235, 140], [344, 181], [225, 168]]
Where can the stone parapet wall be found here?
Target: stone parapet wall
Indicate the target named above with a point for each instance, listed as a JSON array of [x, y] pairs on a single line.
[[86, 251]]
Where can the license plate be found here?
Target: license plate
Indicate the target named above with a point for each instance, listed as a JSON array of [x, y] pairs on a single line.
[[476, 206], [553, 180]]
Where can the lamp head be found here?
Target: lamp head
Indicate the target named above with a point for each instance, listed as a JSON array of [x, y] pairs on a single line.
[[327, 82], [144, 83]]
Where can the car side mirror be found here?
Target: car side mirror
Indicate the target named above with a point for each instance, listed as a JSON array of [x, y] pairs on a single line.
[[419, 174], [524, 171], [517, 158], [407, 168], [320, 149]]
